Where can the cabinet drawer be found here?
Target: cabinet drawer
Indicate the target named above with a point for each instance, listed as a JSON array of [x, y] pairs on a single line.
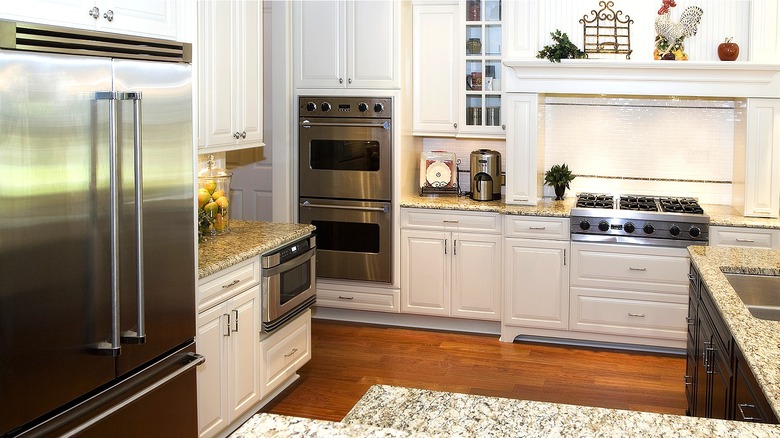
[[388, 301], [452, 220], [745, 237], [222, 285], [629, 267], [536, 227], [628, 313], [285, 351]]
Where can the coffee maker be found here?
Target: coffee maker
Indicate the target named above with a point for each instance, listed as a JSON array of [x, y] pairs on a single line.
[[485, 169]]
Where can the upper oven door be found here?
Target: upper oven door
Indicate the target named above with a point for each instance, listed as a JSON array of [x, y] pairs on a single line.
[[345, 158]]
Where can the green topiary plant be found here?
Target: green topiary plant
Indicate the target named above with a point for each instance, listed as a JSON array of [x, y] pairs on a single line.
[[562, 49], [558, 177]]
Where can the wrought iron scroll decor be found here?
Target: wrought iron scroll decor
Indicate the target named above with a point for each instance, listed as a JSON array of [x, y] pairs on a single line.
[[606, 31]]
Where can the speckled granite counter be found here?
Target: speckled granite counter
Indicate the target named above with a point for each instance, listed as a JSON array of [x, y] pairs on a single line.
[[270, 425], [723, 215], [758, 339], [246, 239]]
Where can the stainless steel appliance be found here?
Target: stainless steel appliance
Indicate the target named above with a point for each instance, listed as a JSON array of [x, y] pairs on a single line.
[[345, 184], [97, 304], [643, 220], [485, 170], [289, 286]]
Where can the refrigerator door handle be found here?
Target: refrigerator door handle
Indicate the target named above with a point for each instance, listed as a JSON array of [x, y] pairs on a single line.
[[137, 336], [111, 346]]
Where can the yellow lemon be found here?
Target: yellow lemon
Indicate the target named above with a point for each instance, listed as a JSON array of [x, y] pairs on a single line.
[[210, 186]]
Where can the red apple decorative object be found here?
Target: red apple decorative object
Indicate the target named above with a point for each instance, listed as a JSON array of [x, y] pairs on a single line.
[[728, 51]]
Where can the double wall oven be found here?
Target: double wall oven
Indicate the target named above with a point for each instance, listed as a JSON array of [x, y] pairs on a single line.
[[345, 184]]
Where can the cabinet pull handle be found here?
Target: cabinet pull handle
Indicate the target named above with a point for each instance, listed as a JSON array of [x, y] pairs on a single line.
[[691, 277], [742, 407], [631, 268], [346, 298], [445, 246], [638, 315], [687, 381], [537, 228], [450, 222], [235, 319], [293, 351], [689, 320], [94, 12], [109, 15], [455, 247], [231, 284], [227, 325], [745, 240]]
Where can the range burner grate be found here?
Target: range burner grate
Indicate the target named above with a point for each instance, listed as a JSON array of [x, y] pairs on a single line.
[[638, 203], [680, 205], [593, 200]]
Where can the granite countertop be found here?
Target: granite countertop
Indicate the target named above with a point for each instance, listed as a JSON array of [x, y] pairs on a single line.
[[758, 339], [721, 215], [245, 240]]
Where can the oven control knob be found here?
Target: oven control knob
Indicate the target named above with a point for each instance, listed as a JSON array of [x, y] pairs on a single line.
[[378, 107], [629, 227], [584, 224], [325, 107], [362, 107], [311, 106], [603, 225], [648, 228], [694, 231], [674, 230]]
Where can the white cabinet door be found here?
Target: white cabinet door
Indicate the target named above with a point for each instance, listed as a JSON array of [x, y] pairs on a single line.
[[346, 44], [521, 155], [230, 75], [244, 377], [212, 374], [425, 272], [476, 276], [151, 18], [285, 352], [435, 69], [762, 158], [745, 237], [536, 275]]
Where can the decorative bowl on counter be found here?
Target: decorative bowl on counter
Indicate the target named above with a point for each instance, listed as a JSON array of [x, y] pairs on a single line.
[[213, 200]]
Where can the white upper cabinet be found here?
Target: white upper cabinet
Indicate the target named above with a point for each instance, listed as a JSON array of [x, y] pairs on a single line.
[[230, 70], [346, 44], [150, 18]]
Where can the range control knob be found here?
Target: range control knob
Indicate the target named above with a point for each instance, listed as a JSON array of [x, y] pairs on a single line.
[[674, 230], [325, 107], [629, 227], [311, 106], [648, 228], [694, 231], [604, 226], [584, 224], [378, 107], [362, 107]]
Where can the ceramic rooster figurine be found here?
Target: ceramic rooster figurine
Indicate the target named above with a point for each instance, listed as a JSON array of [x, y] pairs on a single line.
[[671, 34]]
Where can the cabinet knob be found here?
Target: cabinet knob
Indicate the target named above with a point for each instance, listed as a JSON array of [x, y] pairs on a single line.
[[236, 135], [503, 127], [455, 125], [94, 12], [243, 134], [109, 15], [349, 81], [341, 81]]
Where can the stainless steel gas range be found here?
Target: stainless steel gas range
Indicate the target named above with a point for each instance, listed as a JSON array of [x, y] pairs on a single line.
[[642, 220]]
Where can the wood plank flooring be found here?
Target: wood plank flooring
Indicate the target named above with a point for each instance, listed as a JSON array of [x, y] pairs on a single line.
[[348, 358]]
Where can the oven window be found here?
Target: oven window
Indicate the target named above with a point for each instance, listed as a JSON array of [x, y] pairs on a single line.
[[294, 281], [344, 155], [347, 236]]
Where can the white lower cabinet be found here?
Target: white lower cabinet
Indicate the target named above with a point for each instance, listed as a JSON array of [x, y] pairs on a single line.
[[285, 351], [536, 275], [229, 380], [745, 237], [446, 271]]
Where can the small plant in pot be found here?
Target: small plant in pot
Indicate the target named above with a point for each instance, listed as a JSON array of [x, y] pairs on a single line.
[[558, 177]]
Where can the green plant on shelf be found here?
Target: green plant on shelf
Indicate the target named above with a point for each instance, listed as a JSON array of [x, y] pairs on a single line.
[[562, 49]]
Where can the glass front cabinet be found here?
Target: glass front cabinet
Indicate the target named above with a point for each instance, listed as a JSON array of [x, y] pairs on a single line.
[[481, 87]]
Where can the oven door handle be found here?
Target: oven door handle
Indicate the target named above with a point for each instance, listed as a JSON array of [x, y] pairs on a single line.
[[384, 209], [289, 264], [385, 124]]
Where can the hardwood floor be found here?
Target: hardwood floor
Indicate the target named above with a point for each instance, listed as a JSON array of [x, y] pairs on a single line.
[[348, 358]]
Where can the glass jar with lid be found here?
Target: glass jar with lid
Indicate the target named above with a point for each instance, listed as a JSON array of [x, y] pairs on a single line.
[[213, 200]]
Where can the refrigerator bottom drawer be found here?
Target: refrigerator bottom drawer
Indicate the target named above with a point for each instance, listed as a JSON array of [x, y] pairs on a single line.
[[160, 400]]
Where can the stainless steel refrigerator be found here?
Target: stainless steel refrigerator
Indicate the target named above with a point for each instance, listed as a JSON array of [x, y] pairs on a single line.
[[97, 276]]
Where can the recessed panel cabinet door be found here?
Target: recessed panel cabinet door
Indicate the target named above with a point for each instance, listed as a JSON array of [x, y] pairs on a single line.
[[425, 272], [212, 374], [476, 271], [244, 377]]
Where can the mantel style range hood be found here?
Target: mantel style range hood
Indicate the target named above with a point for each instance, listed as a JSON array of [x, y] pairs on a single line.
[[652, 78]]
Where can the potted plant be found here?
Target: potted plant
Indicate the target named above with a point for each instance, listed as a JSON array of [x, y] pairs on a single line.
[[562, 49], [559, 176]]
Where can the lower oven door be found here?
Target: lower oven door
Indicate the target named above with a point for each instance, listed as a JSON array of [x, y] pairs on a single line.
[[288, 289], [353, 238]]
